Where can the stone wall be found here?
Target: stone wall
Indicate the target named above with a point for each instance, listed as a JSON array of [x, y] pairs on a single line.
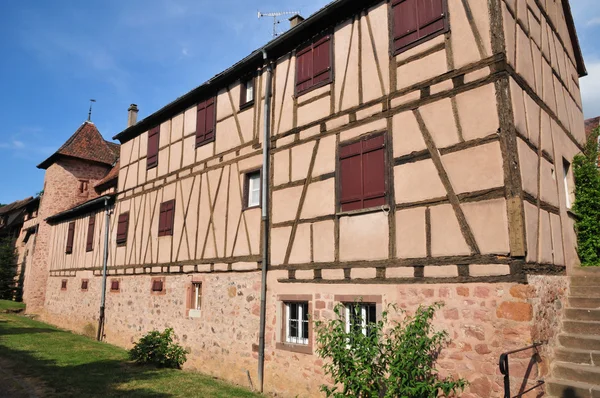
[[483, 319], [61, 192]]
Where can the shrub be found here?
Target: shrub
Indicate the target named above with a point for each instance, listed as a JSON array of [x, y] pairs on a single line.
[[393, 359], [587, 202], [157, 348], [8, 270]]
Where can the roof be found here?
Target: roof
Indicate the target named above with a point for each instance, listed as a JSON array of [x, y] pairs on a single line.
[[87, 144], [110, 179], [16, 205], [334, 12], [591, 125], [82, 208]]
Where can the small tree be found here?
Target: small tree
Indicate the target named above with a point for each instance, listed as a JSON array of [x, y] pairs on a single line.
[[8, 269], [392, 359], [587, 202]]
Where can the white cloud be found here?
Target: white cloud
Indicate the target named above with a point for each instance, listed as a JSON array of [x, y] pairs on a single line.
[[593, 22], [590, 89]]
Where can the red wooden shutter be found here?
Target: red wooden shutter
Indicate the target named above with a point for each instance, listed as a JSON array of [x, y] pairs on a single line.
[[90, 234], [167, 216], [153, 141], [322, 60], [157, 285], [415, 19], [114, 285], [431, 17], [351, 177], [304, 68], [362, 173], [205, 122], [70, 236], [373, 172], [122, 227], [63, 284], [84, 284]]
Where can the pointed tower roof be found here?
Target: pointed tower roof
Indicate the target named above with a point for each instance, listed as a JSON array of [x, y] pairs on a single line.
[[87, 144]]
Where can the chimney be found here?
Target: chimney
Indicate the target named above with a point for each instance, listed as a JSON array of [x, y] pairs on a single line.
[[295, 20], [132, 115]]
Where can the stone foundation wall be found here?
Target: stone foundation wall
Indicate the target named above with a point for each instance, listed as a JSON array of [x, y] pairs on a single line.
[[483, 319]]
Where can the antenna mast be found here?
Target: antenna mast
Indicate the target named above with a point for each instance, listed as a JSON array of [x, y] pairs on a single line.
[[275, 16], [90, 111]]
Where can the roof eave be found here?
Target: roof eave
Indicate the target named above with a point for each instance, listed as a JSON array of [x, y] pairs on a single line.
[[83, 208], [581, 69], [337, 9]]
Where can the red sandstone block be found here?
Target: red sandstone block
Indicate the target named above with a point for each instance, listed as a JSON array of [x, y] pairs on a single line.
[[320, 304], [462, 291], [451, 313], [522, 291], [482, 349], [482, 292], [515, 311]]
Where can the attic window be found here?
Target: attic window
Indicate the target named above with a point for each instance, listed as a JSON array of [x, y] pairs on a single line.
[[83, 186], [158, 286]]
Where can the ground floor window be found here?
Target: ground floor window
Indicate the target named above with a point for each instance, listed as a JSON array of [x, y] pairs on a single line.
[[360, 316], [197, 292], [296, 316]]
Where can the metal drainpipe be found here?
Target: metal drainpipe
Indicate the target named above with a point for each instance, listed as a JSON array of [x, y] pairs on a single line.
[[265, 222], [104, 266]]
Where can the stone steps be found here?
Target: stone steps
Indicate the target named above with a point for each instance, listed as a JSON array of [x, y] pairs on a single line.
[[577, 356], [574, 372], [579, 327], [585, 291], [582, 314], [568, 389], [584, 302], [578, 281]]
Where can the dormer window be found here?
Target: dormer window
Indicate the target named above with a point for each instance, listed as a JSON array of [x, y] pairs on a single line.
[[83, 186]]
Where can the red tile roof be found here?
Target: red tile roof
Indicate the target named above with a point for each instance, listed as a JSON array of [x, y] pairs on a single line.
[[591, 124], [87, 144], [16, 205], [111, 177]]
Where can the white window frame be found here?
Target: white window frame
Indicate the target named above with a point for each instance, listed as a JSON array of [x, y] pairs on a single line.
[[363, 314], [196, 305], [300, 339], [253, 186], [249, 87]]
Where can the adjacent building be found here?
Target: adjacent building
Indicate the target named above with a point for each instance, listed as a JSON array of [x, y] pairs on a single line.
[[419, 152]]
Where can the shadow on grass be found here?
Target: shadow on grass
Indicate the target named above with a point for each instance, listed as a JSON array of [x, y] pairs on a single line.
[[5, 332], [100, 378]]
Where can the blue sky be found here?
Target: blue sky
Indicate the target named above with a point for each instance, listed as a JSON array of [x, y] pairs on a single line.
[[58, 54]]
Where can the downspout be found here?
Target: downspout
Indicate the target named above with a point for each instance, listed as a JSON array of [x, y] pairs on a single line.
[[265, 223], [104, 267]]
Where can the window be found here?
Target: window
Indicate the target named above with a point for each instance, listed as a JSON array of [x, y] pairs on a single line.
[[362, 174], [83, 186], [122, 227], [158, 285], [247, 92], [115, 285], [70, 236], [296, 327], [252, 189], [166, 218], [89, 245], [153, 142], [84, 284], [313, 65], [63, 284], [416, 21], [567, 182], [205, 122], [360, 315]]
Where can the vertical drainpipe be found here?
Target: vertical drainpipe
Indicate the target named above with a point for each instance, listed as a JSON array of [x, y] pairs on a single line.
[[265, 223], [104, 266]]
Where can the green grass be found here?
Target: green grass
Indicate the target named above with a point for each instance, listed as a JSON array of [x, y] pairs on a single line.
[[63, 364], [7, 305]]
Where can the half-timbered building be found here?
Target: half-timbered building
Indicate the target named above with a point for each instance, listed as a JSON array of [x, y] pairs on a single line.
[[418, 151]]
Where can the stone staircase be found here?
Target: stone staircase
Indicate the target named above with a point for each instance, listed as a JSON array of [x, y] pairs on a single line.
[[576, 367]]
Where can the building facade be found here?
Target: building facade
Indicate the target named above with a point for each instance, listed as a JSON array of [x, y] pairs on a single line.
[[419, 152]]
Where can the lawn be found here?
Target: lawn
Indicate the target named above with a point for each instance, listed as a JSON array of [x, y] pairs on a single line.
[[55, 363], [7, 305]]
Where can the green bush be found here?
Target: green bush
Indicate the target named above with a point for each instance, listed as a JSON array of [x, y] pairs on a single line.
[[158, 349], [393, 359], [587, 202], [8, 270]]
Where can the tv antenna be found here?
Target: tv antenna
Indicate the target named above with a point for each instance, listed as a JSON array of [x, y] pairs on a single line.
[[90, 111], [275, 16]]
